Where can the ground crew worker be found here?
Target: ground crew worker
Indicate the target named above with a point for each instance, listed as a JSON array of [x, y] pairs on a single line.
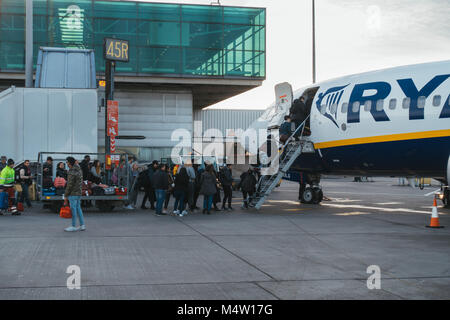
[[8, 174], [2, 163]]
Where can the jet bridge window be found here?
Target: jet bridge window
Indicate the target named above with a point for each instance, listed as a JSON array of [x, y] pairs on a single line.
[[393, 104], [355, 106], [421, 102], [344, 107], [437, 100], [406, 103]]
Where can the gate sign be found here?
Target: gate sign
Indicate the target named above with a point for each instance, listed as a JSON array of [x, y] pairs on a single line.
[[113, 119], [116, 50]]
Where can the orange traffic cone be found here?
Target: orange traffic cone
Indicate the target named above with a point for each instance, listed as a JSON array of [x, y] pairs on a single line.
[[434, 217]]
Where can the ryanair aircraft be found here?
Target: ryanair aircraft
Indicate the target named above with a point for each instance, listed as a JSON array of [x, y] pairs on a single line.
[[392, 122]]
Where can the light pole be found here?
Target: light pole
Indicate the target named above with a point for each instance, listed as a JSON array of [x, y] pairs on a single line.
[[314, 40]]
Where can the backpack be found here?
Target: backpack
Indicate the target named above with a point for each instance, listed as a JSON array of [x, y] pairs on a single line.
[[249, 182], [17, 174]]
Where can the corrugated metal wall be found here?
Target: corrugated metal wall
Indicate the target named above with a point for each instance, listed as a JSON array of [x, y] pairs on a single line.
[[152, 114], [226, 119]]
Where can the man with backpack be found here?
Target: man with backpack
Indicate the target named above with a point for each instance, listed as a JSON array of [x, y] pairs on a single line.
[[226, 179]]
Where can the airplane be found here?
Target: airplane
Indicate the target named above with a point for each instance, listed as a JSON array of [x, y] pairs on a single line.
[[393, 122]]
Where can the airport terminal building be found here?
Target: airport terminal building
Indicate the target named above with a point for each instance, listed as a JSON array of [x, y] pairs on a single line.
[[183, 58]]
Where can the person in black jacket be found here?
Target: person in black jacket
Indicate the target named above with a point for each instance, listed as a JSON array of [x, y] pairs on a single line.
[[226, 179], [248, 186], [149, 186], [180, 192], [84, 165], [161, 184], [298, 113], [61, 171]]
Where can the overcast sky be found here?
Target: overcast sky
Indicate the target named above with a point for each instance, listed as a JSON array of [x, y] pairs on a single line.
[[352, 36]]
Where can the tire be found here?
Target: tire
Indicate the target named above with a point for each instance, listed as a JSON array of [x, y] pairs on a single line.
[[308, 196], [318, 195]]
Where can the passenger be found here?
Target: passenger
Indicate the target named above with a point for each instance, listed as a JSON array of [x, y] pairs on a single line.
[[134, 187], [180, 192], [61, 171], [226, 179], [150, 190], [216, 198], [3, 163], [73, 194], [161, 184], [298, 113], [48, 167], [285, 130], [208, 188], [171, 187], [26, 180], [197, 186], [96, 172], [248, 187], [84, 165], [191, 188]]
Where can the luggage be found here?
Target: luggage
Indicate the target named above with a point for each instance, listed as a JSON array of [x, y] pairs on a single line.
[[20, 207], [98, 191], [47, 182], [3, 200], [121, 191], [110, 191], [60, 182], [32, 192], [65, 212], [86, 188], [60, 191], [49, 191]]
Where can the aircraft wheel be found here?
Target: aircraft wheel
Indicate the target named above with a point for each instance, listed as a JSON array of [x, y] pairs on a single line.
[[308, 196], [318, 195]]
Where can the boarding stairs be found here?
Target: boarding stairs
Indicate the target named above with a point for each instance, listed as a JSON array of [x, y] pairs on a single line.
[[289, 152]]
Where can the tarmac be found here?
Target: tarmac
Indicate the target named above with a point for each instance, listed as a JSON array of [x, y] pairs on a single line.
[[286, 250]]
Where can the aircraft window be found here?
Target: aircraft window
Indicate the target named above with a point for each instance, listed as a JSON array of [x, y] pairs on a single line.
[[344, 107], [436, 101], [406, 103], [355, 106], [323, 109], [393, 104], [368, 105], [380, 105], [334, 108], [421, 102]]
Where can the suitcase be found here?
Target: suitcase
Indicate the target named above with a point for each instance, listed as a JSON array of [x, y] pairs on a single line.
[[32, 192], [3, 200], [98, 191], [60, 191], [20, 207], [47, 182], [109, 191], [49, 191], [121, 191]]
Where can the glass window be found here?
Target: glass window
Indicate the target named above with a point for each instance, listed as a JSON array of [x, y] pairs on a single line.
[[355, 106], [437, 101], [159, 33], [333, 108], [159, 11], [380, 105], [202, 35], [421, 102], [159, 60], [344, 107], [368, 105], [248, 16], [202, 62], [12, 6], [212, 14], [406, 103], [323, 109], [392, 104], [115, 10]]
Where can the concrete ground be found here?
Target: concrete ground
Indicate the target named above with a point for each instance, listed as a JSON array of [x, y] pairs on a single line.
[[284, 251]]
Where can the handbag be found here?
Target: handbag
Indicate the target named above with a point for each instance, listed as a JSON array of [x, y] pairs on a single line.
[[18, 187], [65, 212]]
